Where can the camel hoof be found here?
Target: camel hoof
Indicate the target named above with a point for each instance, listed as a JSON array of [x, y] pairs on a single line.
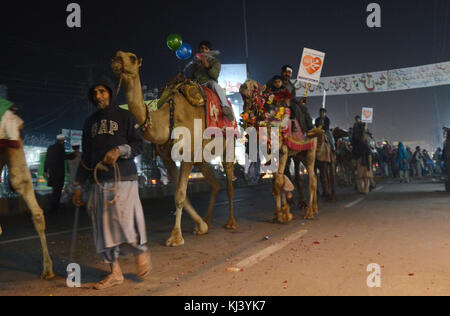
[[176, 239], [47, 276], [202, 230], [231, 225], [278, 217], [309, 217], [287, 218]]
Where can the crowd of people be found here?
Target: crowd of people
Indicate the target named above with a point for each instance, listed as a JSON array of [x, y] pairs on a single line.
[[403, 163]]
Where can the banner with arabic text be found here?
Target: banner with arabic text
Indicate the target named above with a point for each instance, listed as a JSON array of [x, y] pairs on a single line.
[[383, 81]]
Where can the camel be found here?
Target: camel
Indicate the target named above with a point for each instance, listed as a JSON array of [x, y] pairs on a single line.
[[157, 130], [362, 153], [308, 158], [21, 182], [344, 156], [326, 163]]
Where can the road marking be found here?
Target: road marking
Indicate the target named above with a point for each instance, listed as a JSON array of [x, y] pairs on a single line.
[[379, 188], [263, 254], [37, 237], [355, 202]]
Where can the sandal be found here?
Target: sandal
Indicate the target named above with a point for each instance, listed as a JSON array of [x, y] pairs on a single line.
[[143, 266], [109, 282]]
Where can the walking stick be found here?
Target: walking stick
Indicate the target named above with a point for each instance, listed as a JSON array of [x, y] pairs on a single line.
[[73, 244]]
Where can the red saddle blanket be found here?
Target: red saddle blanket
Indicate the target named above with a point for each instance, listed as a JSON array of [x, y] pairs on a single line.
[[5, 143], [214, 113], [295, 139]]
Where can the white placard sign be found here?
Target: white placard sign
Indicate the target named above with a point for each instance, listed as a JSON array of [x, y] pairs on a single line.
[[367, 115], [311, 66]]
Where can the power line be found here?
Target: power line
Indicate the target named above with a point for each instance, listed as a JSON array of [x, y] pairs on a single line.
[[66, 109]]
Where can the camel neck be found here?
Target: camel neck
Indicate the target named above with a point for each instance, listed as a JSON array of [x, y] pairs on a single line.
[[135, 99]]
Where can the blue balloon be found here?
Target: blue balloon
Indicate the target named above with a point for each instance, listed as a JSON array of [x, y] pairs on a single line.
[[185, 52]]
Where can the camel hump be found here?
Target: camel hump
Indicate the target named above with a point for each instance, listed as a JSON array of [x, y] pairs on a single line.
[[194, 93]]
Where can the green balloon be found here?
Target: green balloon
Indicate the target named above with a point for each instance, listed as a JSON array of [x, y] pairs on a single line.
[[174, 42]]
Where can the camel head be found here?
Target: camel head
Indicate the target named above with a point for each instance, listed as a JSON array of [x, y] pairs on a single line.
[[126, 65], [249, 89]]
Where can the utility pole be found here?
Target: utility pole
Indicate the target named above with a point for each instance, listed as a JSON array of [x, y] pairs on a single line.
[[246, 38]]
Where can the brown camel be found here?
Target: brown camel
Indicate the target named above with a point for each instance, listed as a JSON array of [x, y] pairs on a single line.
[[344, 159], [326, 163], [283, 214], [157, 129], [362, 153], [21, 182]]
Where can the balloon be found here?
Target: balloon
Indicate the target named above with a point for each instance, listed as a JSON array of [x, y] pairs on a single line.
[[174, 42], [185, 51]]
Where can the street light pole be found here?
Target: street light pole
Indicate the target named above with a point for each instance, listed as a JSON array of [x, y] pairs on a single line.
[[246, 38]]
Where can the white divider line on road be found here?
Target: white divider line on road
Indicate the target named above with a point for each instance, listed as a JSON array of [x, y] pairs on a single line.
[[263, 254], [355, 202], [379, 188], [37, 237]]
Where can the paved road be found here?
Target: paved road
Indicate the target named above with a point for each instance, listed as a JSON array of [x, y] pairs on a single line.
[[404, 229]]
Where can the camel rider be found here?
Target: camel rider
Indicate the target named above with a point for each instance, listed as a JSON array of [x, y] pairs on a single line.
[[324, 122], [299, 109], [206, 72], [360, 149], [111, 141]]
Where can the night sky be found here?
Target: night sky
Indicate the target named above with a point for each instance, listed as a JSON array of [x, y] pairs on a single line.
[[44, 62]]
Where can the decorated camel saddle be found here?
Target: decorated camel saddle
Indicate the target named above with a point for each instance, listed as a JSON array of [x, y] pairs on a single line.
[[10, 126], [200, 96], [272, 109]]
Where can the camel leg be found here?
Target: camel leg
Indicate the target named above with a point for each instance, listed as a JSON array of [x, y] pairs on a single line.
[[333, 179], [276, 191], [21, 182], [312, 193], [207, 172], [359, 177], [324, 173], [173, 174], [313, 208], [278, 184], [298, 181], [176, 238], [287, 216], [229, 170]]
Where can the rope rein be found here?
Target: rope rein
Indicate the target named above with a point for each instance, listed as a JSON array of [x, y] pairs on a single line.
[[117, 178]]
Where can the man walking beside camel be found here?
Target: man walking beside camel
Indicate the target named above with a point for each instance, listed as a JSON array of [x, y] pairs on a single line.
[[111, 141]]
